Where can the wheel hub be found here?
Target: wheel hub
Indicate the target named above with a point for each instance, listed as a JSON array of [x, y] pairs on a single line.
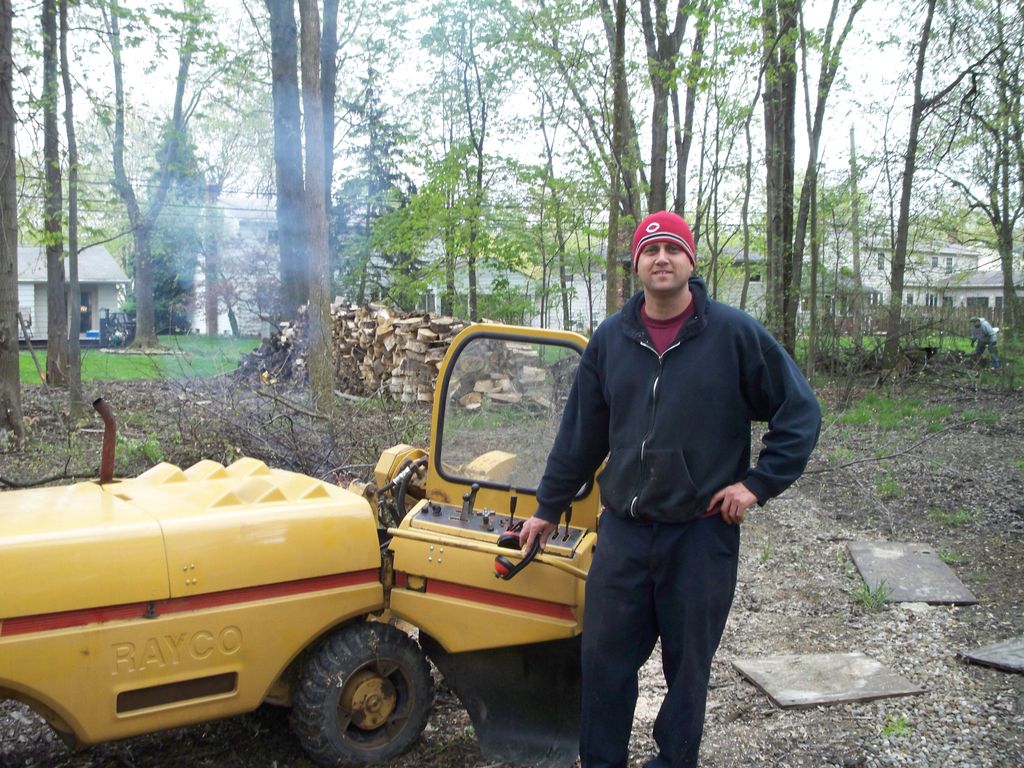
[[369, 699]]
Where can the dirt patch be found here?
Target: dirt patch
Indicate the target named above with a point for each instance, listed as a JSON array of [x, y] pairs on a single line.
[[952, 477]]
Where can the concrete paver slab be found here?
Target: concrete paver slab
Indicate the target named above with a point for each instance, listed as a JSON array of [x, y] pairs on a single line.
[[825, 678], [1007, 655], [911, 573]]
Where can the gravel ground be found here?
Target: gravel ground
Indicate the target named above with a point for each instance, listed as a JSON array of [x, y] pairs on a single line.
[[958, 486]]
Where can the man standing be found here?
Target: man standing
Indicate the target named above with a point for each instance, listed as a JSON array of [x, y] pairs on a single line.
[[666, 392], [984, 337]]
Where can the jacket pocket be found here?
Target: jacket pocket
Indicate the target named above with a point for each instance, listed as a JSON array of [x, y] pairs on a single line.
[[666, 488], [618, 479]]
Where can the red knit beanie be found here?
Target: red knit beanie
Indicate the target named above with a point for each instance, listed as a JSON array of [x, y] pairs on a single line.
[[664, 227]]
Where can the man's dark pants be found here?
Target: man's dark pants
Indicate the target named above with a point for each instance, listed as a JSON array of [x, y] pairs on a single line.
[[648, 580]]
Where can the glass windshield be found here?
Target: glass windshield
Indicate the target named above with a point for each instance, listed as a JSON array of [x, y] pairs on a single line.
[[502, 407]]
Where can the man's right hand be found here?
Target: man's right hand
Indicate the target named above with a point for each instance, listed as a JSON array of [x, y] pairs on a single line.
[[533, 528]]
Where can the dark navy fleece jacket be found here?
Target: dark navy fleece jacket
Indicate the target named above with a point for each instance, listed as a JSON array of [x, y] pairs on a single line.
[[676, 428]]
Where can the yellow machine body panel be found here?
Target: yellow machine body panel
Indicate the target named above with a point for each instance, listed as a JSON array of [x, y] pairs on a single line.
[[175, 597], [447, 588], [247, 524], [184, 667], [58, 545]]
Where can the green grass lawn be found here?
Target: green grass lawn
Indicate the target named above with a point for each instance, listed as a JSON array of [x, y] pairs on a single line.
[[178, 357]]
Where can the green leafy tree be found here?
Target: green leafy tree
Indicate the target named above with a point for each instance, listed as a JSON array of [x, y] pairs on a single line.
[[990, 149], [142, 215], [831, 47], [468, 39], [378, 186], [177, 243]]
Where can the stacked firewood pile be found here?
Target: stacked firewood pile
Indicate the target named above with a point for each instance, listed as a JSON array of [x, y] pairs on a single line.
[[378, 349], [501, 372]]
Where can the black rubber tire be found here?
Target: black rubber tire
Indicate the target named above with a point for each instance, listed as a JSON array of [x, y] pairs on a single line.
[[322, 727]]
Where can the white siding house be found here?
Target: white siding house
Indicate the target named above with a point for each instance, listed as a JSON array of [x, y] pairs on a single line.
[[101, 280], [941, 275]]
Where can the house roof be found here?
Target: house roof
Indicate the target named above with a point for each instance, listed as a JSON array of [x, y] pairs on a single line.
[[978, 280], [934, 249], [95, 265], [987, 280]]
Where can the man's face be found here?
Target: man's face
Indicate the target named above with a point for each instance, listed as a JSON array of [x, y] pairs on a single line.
[[664, 268]]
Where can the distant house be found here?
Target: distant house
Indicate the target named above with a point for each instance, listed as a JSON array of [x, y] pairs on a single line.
[[943, 275], [101, 279]]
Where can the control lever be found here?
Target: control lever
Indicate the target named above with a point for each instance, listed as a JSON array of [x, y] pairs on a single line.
[[468, 500], [568, 519], [505, 568]]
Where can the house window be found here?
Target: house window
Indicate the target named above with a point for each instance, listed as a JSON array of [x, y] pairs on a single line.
[[88, 310], [977, 302], [881, 263], [949, 264], [931, 300], [935, 261], [910, 299], [999, 302], [947, 301]]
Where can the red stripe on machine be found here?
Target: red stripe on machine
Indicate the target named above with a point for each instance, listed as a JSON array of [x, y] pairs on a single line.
[[45, 622], [500, 599]]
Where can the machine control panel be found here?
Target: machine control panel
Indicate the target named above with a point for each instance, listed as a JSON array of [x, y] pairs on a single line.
[[482, 524]]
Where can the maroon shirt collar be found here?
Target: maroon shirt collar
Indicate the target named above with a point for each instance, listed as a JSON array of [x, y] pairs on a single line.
[[664, 332]]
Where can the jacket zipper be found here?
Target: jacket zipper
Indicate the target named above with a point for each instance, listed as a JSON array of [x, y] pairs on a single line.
[[654, 413]]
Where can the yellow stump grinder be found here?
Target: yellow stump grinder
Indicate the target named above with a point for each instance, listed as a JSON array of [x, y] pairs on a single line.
[[185, 595]]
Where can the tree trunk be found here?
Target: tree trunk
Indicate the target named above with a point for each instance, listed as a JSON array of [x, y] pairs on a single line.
[[10, 382], [858, 285], [145, 334], [684, 129], [779, 24], [77, 403], [1009, 130], [233, 322], [662, 50], [563, 272], [632, 176], [53, 206], [619, 107], [890, 351], [294, 266], [812, 309], [211, 263], [748, 183], [321, 365], [328, 89], [477, 113]]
